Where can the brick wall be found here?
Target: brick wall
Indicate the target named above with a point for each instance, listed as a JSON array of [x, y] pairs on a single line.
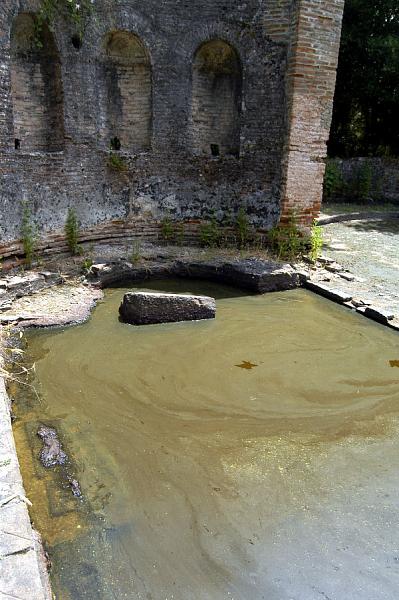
[[310, 84], [137, 77], [128, 82], [36, 88]]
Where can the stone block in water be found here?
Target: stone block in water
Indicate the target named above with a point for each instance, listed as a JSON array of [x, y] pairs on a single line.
[[146, 308]]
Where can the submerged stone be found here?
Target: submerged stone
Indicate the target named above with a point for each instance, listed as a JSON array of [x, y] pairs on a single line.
[[51, 453], [146, 308]]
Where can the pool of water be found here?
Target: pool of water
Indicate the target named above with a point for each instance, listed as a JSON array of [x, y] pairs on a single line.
[[206, 480]]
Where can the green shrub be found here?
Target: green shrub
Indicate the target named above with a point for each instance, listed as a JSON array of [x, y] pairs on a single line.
[[210, 233], [286, 240], [29, 234], [87, 264], [364, 180], [333, 180], [72, 231], [315, 241]]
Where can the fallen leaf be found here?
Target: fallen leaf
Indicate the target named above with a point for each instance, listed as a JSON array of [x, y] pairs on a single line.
[[246, 364]]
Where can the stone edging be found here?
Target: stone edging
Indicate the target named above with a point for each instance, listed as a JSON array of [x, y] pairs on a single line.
[[23, 573], [256, 275]]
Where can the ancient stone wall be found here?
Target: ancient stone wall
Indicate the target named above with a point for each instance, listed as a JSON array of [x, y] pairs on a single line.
[[195, 99], [366, 179]]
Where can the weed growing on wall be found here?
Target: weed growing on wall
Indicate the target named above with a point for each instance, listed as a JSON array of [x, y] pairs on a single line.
[[28, 233], [72, 231], [78, 13], [117, 163]]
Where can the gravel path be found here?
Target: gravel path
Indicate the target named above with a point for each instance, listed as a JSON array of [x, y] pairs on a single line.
[[370, 250]]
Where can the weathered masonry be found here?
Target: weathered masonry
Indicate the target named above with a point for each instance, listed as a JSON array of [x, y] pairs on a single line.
[[212, 105]]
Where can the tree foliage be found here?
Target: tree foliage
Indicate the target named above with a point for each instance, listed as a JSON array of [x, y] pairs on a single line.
[[365, 119]]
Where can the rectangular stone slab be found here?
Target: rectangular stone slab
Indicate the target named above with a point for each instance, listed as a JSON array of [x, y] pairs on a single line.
[[146, 308]]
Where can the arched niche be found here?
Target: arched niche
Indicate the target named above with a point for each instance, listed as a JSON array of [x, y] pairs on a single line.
[[36, 87], [216, 99], [129, 91]]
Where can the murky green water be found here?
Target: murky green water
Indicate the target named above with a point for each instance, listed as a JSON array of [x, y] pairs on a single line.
[[206, 481]]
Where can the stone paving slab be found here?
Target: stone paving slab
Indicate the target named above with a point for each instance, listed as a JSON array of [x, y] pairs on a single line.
[[22, 572], [333, 281]]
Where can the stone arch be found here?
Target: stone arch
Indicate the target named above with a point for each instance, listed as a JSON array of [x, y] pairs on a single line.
[[216, 99], [36, 87], [129, 91]]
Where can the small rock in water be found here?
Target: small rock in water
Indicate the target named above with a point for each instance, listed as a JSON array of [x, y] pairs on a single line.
[[75, 487], [51, 453]]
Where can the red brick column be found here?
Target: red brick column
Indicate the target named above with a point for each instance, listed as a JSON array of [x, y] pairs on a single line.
[[311, 75]]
